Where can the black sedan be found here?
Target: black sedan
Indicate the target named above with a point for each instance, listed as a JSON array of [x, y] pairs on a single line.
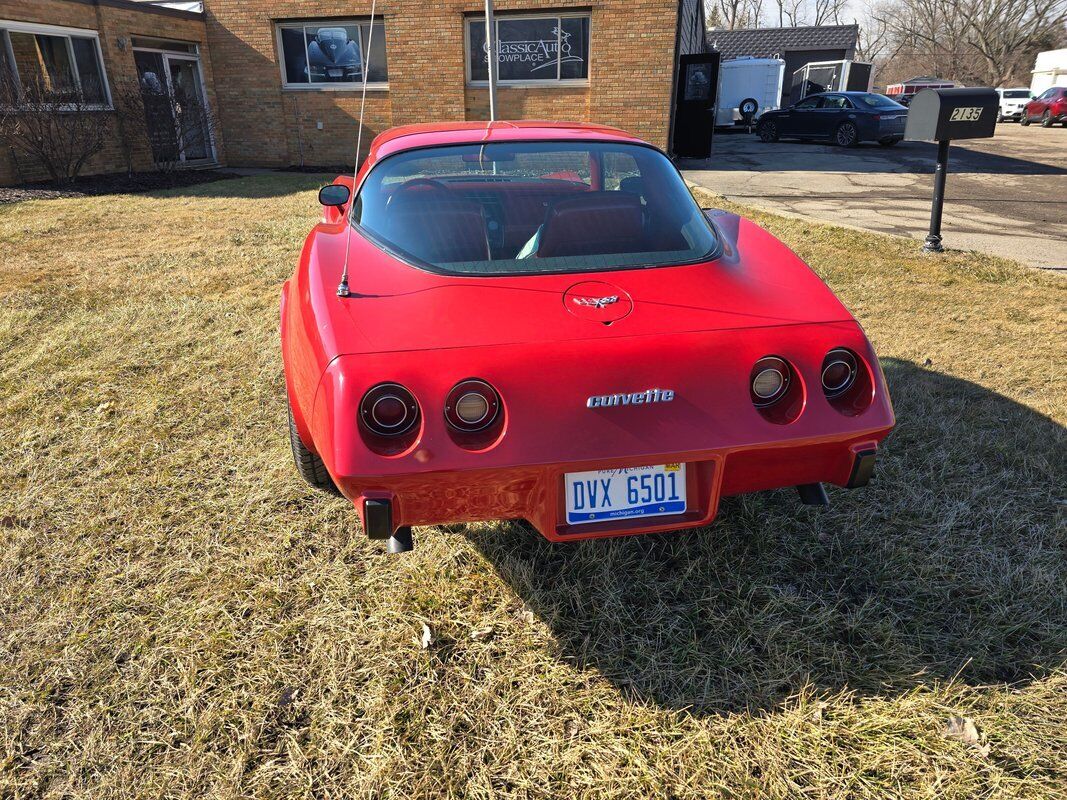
[[844, 118]]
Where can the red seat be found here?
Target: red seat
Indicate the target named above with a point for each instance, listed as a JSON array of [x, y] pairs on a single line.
[[594, 223], [437, 228]]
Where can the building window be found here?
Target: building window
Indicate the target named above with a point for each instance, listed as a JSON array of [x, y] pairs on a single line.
[[532, 49], [49, 61], [331, 54]]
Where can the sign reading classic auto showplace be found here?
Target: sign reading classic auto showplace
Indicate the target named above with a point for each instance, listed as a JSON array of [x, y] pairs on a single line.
[[542, 48]]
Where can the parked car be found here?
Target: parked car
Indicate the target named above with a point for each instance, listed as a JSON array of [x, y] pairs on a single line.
[[1012, 103], [536, 320], [1050, 107], [844, 118]]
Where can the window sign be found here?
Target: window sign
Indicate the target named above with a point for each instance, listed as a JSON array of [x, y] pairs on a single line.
[[698, 82], [331, 54], [532, 49]]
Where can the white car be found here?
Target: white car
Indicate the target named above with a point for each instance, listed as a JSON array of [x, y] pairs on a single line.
[[1012, 103]]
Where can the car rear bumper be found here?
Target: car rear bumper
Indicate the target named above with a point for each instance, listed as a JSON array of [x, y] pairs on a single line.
[[549, 428], [536, 493]]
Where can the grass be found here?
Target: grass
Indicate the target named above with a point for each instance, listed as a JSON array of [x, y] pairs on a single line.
[[181, 617]]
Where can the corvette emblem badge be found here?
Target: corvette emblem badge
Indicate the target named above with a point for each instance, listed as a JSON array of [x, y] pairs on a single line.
[[596, 302]]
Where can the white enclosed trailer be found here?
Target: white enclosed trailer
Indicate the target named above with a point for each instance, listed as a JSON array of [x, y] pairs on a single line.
[[741, 79], [1050, 70]]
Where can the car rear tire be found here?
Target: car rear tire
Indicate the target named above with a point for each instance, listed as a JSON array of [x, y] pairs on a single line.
[[308, 464], [1046, 119], [846, 135], [888, 142], [767, 131]]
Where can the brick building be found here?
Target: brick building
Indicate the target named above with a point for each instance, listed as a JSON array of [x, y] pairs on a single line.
[[282, 78], [98, 44]]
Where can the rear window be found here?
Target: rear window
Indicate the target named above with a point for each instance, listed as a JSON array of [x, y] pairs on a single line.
[[533, 207], [1017, 93], [877, 100]]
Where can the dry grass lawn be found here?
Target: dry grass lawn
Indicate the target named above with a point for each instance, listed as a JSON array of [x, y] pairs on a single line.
[[181, 617]]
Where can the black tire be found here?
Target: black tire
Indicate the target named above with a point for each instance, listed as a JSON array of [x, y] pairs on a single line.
[[888, 142], [308, 464], [1024, 120], [1046, 119], [767, 131], [847, 135], [748, 108]]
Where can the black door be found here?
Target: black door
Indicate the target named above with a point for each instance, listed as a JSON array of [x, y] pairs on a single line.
[[694, 105], [799, 119], [834, 109]]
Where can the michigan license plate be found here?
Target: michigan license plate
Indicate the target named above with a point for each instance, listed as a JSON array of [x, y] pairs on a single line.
[[610, 494]]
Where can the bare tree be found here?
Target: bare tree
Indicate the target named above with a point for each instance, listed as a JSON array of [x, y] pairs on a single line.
[[828, 12], [727, 14], [974, 41], [162, 122], [56, 125], [998, 29], [874, 42], [755, 13], [791, 12]]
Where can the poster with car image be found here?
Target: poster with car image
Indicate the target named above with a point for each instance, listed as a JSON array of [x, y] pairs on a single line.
[[332, 53]]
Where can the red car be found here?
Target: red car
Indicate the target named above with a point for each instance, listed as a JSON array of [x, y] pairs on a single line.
[[535, 320], [1048, 108]]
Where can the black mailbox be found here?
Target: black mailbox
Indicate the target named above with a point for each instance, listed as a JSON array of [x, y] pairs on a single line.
[[937, 115], [940, 115]]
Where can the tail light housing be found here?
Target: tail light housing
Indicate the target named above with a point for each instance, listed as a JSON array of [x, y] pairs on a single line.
[[472, 406], [776, 390], [839, 370], [847, 382], [770, 381], [389, 411]]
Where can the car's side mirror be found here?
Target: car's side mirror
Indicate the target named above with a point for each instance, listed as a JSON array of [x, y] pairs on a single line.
[[334, 195]]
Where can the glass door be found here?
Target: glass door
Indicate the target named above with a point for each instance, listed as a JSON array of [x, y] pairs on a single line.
[[176, 111], [190, 108]]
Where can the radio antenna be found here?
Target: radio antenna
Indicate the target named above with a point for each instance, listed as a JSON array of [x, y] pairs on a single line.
[[491, 46], [342, 287]]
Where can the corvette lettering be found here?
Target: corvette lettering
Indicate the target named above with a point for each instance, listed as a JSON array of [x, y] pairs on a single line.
[[630, 399]]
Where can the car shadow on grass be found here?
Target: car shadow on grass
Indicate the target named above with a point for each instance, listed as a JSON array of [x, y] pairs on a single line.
[[949, 565]]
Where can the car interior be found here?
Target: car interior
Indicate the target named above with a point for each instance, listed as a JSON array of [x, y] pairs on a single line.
[[485, 218]]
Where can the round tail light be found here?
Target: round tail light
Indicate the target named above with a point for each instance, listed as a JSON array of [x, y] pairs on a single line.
[[839, 370], [471, 406], [388, 409], [770, 381]]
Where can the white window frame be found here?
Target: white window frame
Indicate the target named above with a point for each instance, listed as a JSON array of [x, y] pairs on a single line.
[[13, 26], [350, 86], [540, 82]]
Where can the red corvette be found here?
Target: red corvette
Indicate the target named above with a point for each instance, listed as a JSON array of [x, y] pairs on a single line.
[[535, 320]]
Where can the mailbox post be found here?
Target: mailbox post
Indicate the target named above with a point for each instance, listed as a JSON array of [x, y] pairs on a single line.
[[941, 115]]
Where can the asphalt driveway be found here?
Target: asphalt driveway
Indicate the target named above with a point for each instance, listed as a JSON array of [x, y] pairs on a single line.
[[1006, 195]]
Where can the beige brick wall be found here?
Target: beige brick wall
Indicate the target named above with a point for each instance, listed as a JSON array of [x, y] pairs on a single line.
[[631, 71], [262, 124], [113, 22]]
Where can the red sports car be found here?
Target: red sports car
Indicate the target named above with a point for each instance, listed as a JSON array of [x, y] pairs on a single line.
[[535, 320], [1047, 109]]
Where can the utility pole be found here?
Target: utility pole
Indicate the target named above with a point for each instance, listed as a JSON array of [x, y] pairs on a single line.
[[491, 44]]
